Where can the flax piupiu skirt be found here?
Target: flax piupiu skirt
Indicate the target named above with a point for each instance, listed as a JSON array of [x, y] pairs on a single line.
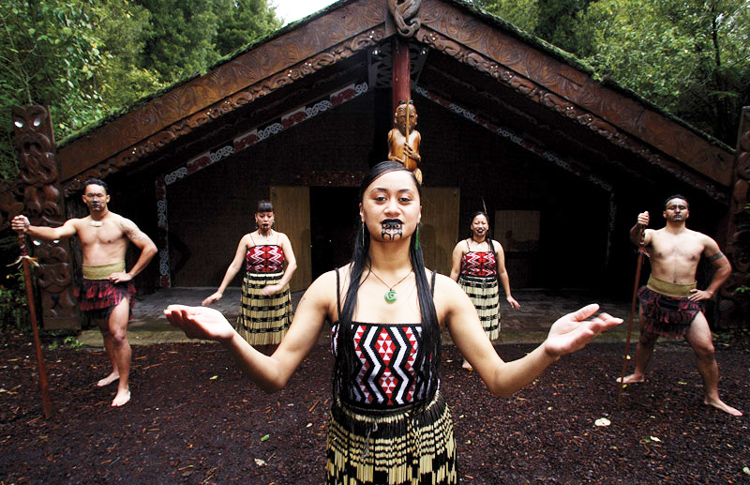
[[408, 446], [484, 293], [264, 320]]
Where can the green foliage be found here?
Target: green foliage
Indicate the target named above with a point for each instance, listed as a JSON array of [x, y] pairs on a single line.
[[180, 41], [70, 341], [50, 56], [242, 22], [524, 14], [125, 27], [187, 37], [689, 57], [13, 306], [89, 58]]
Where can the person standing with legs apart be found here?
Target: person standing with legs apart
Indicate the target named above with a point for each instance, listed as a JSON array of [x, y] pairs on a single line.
[[478, 265], [670, 301], [107, 292], [266, 311], [388, 312]]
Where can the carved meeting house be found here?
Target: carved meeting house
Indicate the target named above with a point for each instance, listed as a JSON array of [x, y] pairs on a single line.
[[561, 161]]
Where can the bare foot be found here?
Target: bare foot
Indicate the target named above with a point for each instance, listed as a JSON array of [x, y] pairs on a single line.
[[721, 405], [108, 380], [631, 379], [467, 366], [122, 397]]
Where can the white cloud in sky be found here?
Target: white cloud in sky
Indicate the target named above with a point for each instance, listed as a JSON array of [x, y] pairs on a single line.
[[291, 10]]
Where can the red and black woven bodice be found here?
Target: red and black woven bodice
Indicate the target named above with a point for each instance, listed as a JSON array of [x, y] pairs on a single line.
[[386, 353], [264, 259], [478, 263]]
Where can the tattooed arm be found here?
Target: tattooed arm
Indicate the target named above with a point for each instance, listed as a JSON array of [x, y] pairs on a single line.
[[723, 270], [721, 264], [142, 242]]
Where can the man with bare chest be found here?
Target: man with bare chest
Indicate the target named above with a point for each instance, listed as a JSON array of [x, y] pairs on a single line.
[[670, 301], [107, 291]]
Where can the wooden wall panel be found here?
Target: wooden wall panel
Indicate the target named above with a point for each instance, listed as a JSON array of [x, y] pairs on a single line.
[[439, 232], [292, 208]]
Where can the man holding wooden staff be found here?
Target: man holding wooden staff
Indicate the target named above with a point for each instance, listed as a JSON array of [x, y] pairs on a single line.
[[107, 290], [670, 301]]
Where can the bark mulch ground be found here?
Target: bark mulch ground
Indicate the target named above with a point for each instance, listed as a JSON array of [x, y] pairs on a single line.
[[194, 419]]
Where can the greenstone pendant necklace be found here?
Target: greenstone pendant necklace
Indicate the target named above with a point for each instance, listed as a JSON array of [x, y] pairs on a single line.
[[390, 295]]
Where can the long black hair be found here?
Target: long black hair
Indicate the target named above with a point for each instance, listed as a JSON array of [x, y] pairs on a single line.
[[428, 358], [488, 238]]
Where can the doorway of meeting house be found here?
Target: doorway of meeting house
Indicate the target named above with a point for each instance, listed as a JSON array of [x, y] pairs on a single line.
[[334, 220]]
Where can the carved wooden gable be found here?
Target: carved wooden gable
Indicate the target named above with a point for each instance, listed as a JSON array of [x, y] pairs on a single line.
[[468, 62]]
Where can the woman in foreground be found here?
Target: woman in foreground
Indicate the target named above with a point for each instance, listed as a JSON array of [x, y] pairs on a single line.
[[389, 421]]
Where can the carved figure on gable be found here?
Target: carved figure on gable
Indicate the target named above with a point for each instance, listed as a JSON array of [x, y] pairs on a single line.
[[404, 140]]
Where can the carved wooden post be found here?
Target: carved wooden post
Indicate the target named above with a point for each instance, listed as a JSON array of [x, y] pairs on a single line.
[[404, 16], [734, 306], [43, 204], [401, 83]]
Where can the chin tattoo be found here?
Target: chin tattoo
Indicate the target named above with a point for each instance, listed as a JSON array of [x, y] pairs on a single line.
[[392, 229]]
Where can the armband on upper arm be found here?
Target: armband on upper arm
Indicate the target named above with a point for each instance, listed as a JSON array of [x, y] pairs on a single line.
[[716, 256]]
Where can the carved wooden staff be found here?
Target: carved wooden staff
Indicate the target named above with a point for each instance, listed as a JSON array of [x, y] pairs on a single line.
[[407, 122], [639, 264], [26, 262]]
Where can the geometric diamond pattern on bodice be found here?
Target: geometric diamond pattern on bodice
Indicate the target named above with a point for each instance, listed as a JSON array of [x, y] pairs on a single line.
[[385, 353]]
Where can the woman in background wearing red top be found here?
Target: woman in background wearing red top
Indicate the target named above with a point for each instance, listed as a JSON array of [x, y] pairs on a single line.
[[266, 311], [478, 265]]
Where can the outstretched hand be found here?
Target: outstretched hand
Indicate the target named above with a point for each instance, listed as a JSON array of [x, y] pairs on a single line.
[[200, 322], [573, 332], [212, 299]]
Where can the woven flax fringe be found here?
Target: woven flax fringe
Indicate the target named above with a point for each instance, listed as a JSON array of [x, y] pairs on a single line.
[[264, 320], [396, 448], [484, 293]]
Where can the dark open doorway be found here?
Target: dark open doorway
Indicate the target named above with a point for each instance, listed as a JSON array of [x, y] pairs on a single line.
[[334, 217]]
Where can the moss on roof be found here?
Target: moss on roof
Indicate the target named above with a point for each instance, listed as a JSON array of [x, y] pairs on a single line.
[[541, 44]]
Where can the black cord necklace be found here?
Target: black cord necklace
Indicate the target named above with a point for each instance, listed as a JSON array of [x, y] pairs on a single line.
[[390, 295]]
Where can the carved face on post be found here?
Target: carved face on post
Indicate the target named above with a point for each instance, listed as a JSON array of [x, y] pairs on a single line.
[[400, 117]]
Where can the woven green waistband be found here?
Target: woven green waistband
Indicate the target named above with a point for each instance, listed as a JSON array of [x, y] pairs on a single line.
[[102, 272]]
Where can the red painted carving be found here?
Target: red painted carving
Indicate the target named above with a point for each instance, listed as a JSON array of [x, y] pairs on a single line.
[[44, 205]]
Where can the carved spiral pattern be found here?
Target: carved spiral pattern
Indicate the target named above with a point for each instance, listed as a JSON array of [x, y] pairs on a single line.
[[562, 106], [734, 306], [232, 103], [403, 13], [38, 186]]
